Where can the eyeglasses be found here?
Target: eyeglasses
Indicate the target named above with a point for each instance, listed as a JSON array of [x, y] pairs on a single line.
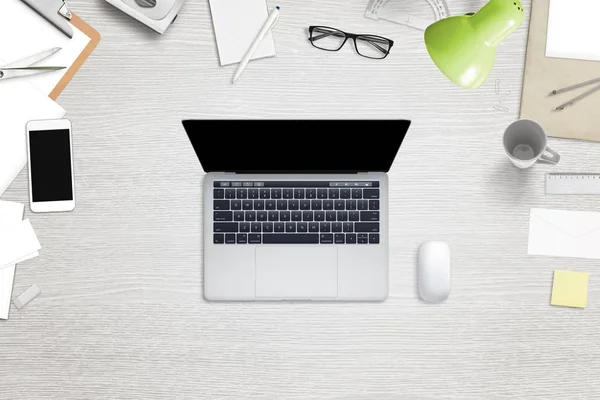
[[330, 39]]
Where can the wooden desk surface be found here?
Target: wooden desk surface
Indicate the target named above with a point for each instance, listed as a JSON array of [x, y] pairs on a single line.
[[122, 316]]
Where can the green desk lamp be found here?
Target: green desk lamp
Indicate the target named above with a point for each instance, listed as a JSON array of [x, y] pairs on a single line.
[[464, 47]]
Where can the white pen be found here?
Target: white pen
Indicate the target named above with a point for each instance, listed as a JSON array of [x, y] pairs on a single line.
[[273, 17]]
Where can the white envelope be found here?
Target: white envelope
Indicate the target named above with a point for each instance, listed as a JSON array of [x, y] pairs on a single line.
[[562, 233]]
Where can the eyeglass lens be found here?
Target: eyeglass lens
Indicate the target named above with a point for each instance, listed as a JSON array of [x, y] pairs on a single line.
[[327, 38]]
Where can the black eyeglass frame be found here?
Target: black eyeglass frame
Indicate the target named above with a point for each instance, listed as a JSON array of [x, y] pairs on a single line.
[[352, 36]]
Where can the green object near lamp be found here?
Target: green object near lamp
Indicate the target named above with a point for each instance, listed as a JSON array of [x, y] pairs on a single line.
[[464, 47]]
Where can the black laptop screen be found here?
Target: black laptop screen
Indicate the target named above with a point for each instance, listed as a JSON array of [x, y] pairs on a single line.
[[308, 146]]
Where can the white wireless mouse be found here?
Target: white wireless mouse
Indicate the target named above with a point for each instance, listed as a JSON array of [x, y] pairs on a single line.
[[434, 271]]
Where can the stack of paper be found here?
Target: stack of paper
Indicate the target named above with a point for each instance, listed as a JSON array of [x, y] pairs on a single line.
[[18, 243]]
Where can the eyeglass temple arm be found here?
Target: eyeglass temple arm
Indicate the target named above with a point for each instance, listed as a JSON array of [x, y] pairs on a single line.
[[371, 41]]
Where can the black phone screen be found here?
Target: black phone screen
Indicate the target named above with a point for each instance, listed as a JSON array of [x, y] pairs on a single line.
[[50, 165]]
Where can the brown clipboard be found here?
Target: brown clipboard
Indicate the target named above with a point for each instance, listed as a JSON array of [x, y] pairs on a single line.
[[94, 40]]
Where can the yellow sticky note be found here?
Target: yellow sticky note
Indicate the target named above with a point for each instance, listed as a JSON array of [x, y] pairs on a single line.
[[570, 289]]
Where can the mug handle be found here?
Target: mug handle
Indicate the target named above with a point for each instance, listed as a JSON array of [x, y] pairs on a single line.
[[552, 158]]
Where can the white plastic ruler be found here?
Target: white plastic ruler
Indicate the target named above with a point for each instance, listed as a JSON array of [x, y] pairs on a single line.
[[572, 183]]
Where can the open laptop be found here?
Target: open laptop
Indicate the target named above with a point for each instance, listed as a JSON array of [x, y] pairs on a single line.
[[296, 209]]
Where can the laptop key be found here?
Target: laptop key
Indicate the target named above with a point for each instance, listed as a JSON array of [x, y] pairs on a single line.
[[290, 227], [299, 193], [340, 204], [245, 227], [254, 238], [342, 216], [325, 226], [326, 238], [298, 238], [369, 215], [350, 204], [293, 205], [373, 204], [255, 227], [374, 238], [353, 216], [261, 216], [251, 216], [357, 193], [327, 205], [321, 193], [363, 204], [264, 193], [238, 216], [284, 216], [366, 227], [282, 204], [336, 227], [316, 204], [236, 204], [313, 227], [278, 227], [230, 238], [221, 205], [307, 216], [222, 216], [320, 216], [344, 193], [370, 193], [305, 205], [259, 204], [242, 238], [351, 238], [273, 216], [339, 238], [302, 227], [311, 193], [330, 216], [253, 193], [348, 227], [267, 227], [288, 193], [296, 216], [218, 238], [334, 193], [241, 193], [362, 239], [225, 227], [270, 205], [247, 205], [275, 193], [219, 194], [230, 193]]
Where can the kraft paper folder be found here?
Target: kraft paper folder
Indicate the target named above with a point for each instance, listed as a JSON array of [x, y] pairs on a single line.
[[543, 74], [94, 40]]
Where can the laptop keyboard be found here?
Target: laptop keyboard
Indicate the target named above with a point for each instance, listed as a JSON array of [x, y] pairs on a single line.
[[293, 212]]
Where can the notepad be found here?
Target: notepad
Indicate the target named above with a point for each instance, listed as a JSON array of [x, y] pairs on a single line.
[[569, 289], [573, 29], [236, 25]]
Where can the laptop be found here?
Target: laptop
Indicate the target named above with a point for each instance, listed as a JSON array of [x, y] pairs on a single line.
[[296, 209]]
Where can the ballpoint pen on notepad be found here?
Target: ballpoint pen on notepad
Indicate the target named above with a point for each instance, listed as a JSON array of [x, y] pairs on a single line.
[[273, 17], [576, 99]]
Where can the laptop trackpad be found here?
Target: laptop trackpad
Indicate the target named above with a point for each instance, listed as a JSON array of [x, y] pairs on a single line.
[[296, 272]]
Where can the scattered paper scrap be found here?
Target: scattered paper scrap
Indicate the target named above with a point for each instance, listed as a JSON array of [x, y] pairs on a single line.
[[27, 296], [570, 289]]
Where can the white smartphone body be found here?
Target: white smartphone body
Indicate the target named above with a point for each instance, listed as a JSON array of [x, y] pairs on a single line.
[[50, 165]]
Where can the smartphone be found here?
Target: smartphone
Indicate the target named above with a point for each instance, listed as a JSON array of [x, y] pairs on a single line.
[[50, 156]]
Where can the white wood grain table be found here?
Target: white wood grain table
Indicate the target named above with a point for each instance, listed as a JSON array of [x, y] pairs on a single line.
[[121, 314]]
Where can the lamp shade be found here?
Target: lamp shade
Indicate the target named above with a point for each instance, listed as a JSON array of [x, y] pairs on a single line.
[[464, 47]]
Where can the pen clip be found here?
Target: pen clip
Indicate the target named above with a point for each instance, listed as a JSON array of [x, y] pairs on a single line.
[[65, 11]]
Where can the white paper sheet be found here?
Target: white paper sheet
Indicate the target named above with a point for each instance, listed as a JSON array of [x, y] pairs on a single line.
[[25, 33], [16, 242], [564, 233], [236, 25], [573, 29], [10, 213]]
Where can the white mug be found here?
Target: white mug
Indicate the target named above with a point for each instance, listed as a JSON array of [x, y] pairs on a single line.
[[526, 143]]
